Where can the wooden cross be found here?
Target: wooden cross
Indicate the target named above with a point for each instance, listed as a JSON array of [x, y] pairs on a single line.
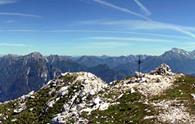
[[139, 62]]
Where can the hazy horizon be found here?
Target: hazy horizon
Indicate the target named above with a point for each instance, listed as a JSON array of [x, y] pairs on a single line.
[[92, 55]]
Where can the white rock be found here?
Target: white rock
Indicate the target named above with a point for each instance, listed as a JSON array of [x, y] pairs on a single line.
[[104, 106], [20, 108], [132, 90], [174, 112], [13, 120], [51, 103], [27, 96], [63, 91], [163, 69], [91, 85], [92, 92], [193, 95], [149, 117], [97, 100], [31, 109]]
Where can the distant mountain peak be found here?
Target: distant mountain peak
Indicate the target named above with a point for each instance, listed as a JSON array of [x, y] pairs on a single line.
[[176, 52], [35, 55], [179, 51]]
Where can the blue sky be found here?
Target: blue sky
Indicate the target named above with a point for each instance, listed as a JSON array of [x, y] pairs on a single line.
[[96, 27]]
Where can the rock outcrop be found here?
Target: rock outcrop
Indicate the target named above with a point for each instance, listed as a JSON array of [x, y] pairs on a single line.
[[84, 87], [163, 69]]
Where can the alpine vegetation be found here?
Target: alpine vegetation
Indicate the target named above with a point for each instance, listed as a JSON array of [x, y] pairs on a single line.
[[157, 97]]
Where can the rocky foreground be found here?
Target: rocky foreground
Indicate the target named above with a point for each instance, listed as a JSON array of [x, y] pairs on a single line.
[[160, 96]]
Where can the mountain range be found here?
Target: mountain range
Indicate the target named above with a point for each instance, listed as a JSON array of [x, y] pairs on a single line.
[[157, 97], [22, 74]]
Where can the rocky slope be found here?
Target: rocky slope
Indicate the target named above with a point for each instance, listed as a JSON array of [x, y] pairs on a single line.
[[160, 96], [22, 74]]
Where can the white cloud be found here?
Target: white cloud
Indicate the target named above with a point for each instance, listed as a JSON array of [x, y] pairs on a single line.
[[108, 44], [19, 14], [156, 24], [9, 21], [103, 45], [12, 45], [122, 24], [159, 35], [144, 25], [18, 30], [164, 26], [2, 2], [132, 39]]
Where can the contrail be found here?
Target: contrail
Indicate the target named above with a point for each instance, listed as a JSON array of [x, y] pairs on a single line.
[[121, 9], [174, 28], [181, 30], [143, 8], [168, 26]]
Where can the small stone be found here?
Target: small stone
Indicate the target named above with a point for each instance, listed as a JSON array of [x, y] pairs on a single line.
[[193, 95]]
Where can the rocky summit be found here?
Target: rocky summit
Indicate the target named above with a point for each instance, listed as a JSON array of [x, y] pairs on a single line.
[[158, 97], [22, 74]]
